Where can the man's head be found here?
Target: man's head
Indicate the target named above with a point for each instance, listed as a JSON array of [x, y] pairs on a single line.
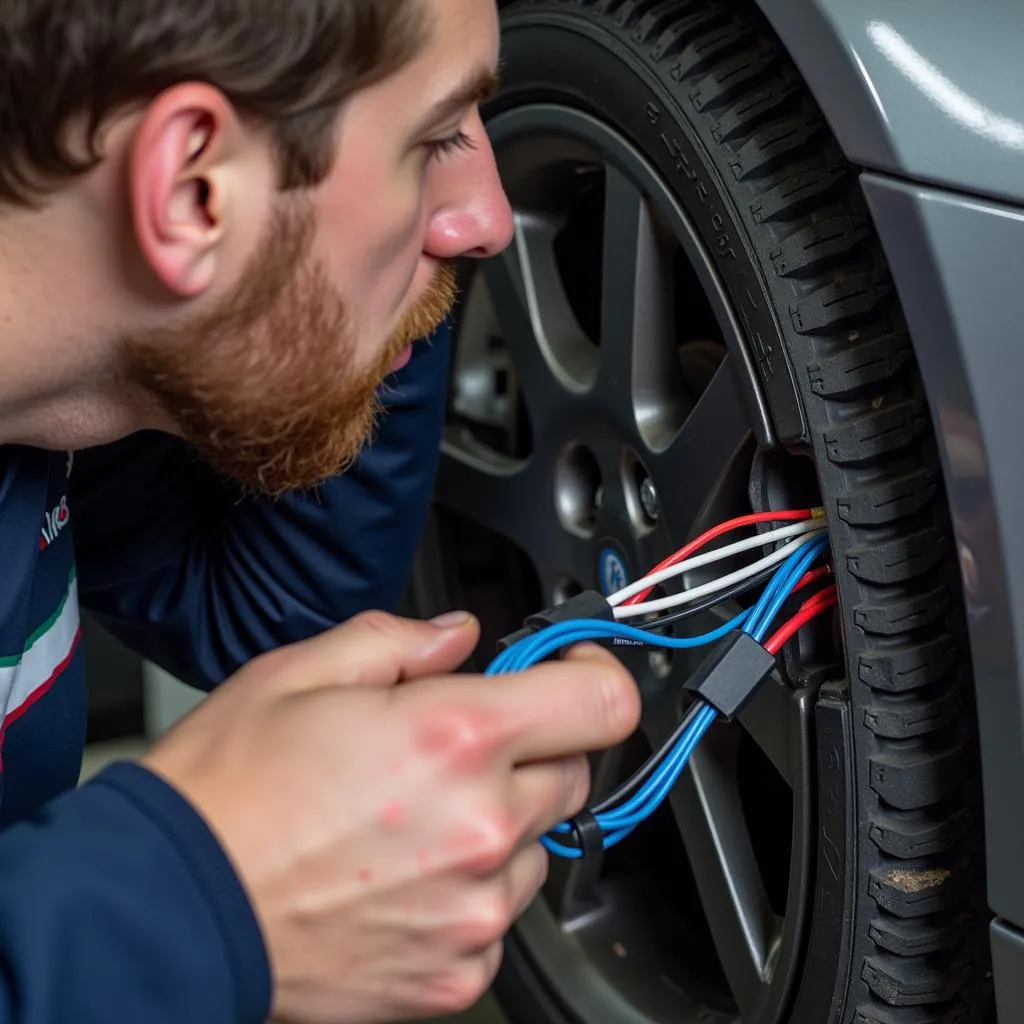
[[274, 192]]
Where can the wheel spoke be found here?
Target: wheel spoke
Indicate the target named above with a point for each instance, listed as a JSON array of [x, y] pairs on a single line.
[[706, 807], [692, 467], [514, 500], [769, 719], [639, 357], [551, 354], [487, 488]]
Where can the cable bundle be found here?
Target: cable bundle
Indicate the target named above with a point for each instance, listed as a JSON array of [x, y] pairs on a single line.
[[787, 570]]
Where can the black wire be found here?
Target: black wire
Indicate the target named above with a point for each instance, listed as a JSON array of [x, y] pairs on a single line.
[[656, 625], [712, 602], [628, 788]]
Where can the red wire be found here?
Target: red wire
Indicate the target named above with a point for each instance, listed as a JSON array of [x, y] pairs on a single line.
[[716, 531], [810, 577], [810, 609], [825, 596]]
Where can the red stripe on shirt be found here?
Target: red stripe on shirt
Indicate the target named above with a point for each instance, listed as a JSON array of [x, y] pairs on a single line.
[[40, 691]]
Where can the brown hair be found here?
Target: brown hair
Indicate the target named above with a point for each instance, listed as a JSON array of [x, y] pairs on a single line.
[[67, 65]]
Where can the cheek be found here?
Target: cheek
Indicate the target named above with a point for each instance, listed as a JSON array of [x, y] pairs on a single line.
[[391, 272], [402, 230], [375, 245]]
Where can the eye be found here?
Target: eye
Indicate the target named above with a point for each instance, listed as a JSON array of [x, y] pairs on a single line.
[[443, 147]]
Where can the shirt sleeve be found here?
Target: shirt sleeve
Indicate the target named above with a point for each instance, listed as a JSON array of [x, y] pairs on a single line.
[[118, 904], [176, 564]]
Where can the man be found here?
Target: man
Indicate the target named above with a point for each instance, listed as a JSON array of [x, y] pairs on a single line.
[[222, 225]]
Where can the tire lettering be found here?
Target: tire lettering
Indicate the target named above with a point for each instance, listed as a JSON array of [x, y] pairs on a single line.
[[722, 239], [678, 156]]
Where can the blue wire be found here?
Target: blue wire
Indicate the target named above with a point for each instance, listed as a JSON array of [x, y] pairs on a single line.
[[780, 587], [532, 649], [654, 791], [528, 652], [770, 591], [561, 851], [617, 825], [621, 821], [663, 778], [796, 565], [646, 802]]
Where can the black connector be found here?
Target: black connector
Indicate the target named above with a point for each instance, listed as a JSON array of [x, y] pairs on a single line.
[[731, 674], [587, 605]]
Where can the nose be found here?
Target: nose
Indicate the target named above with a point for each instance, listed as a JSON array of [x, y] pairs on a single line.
[[474, 217]]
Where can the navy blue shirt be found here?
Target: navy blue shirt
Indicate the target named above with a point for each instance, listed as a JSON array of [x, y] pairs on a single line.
[[116, 901]]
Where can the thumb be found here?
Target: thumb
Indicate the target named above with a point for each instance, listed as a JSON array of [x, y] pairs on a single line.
[[378, 649]]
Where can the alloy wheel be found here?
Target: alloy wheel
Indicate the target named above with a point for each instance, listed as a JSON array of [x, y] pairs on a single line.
[[603, 411]]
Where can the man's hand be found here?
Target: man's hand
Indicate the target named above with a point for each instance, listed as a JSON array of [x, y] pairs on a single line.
[[388, 835]]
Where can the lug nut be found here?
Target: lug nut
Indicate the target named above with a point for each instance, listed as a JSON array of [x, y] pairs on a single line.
[[649, 498]]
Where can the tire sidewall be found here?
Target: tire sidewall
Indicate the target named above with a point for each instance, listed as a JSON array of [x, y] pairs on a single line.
[[548, 56]]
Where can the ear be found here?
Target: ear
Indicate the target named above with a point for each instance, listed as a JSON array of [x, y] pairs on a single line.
[[191, 173]]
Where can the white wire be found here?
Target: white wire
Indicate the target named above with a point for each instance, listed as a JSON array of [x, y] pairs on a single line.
[[706, 589], [716, 555]]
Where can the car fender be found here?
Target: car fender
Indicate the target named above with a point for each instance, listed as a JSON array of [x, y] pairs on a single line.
[[931, 90], [928, 97]]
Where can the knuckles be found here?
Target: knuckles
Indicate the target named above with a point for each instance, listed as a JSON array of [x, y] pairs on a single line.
[[460, 988], [374, 621], [489, 917], [463, 738], [486, 843]]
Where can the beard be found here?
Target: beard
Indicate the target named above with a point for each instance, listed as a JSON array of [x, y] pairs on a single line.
[[266, 386]]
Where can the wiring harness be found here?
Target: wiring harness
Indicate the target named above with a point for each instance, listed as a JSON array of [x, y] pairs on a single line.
[[739, 663]]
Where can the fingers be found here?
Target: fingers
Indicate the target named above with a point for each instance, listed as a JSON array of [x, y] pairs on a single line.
[[489, 910], [527, 873], [488, 966], [377, 649], [546, 794], [586, 702]]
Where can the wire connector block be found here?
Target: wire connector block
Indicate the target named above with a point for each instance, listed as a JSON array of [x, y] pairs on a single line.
[[587, 605], [731, 674]]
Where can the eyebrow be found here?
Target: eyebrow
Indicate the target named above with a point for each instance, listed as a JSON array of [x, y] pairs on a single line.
[[480, 87]]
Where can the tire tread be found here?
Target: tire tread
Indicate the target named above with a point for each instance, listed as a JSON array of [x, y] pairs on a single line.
[[877, 435]]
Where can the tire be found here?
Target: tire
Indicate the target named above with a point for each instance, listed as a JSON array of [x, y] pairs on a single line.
[[704, 90]]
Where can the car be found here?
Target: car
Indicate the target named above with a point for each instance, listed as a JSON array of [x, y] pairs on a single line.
[[767, 255]]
